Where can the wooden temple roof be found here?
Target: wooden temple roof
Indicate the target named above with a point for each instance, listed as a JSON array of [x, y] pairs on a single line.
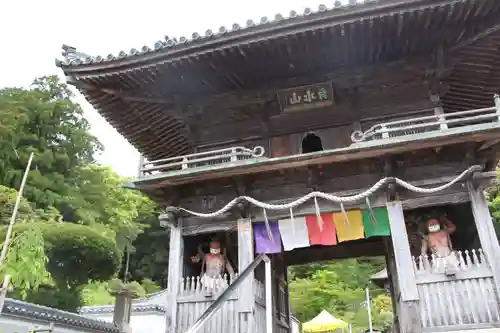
[[150, 95]]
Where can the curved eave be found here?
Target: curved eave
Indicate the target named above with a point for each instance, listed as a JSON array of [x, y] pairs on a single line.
[[476, 77], [146, 126], [170, 51]]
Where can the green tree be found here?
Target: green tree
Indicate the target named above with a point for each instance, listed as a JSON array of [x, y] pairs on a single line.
[[97, 293], [339, 288], [76, 255], [44, 120], [149, 254], [26, 261], [8, 196], [102, 200], [84, 218]]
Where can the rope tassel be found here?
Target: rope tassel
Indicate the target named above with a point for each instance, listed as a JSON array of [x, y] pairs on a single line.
[[292, 221], [268, 227], [346, 218], [318, 215], [373, 219]]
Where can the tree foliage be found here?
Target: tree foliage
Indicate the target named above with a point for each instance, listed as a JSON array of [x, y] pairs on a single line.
[[493, 197], [339, 288], [75, 219], [44, 120], [26, 261], [102, 200], [7, 201], [76, 254]]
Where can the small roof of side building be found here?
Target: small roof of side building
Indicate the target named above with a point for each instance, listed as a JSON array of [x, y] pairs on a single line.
[[19, 309], [153, 95], [380, 278], [152, 303]]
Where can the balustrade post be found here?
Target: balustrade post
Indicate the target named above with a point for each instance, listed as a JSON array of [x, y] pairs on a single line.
[[439, 112], [496, 99], [141, 165], [385, 134], [234, 156], [184, 163]]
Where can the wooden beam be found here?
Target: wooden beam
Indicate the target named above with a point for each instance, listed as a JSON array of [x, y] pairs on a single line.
[[245, 258], [488, 144], [435, 200], [122, 94], [363, 248], [485, 229], [406, 280], [406, 274], [475, 38], [246, 296]]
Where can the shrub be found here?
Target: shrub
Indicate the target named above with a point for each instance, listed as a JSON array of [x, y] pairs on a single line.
[[77, 254]]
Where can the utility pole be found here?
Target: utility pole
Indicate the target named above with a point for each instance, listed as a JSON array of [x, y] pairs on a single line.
[[369, 308], [8, 234]]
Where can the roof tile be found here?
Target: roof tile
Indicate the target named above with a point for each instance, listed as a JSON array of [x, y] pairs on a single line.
[[74, 58], [34, 311]]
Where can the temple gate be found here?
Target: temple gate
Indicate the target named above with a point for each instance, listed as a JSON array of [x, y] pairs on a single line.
[[369, 129]]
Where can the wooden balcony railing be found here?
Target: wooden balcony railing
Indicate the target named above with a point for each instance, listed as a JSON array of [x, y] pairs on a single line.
[[195, 297], [214, 157], [430, 123], [466, 300], [382, 131]]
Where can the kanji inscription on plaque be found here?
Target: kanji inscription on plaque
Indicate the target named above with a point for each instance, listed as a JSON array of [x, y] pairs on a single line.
[[306, 97]]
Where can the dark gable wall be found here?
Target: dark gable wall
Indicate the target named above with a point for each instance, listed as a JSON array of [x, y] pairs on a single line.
[[382, 95]]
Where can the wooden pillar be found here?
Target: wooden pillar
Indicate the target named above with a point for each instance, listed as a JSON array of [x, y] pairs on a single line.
[[485, 229], [246, 296], [175, 265], [393, 284], [287, 300], [409, 318]]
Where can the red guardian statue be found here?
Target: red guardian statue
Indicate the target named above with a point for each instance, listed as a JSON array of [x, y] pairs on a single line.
[[213, 265], [438, 241]]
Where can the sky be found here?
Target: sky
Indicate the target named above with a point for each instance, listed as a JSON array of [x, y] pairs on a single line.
[[32, 33]]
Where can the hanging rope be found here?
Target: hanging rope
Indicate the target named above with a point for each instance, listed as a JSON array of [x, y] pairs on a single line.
[[352, 198]]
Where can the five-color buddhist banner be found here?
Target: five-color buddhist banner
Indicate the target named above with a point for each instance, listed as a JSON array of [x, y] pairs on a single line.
[[331, 229]]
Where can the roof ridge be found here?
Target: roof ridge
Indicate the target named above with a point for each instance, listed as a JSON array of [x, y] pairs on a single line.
[[72, 57], [26, 309], [139, 307], [151, 295]]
